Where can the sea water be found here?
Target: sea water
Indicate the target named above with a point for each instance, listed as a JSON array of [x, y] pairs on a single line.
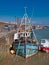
[[41, 34]]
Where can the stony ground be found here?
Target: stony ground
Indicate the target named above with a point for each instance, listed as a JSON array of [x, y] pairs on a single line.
[[39, 59]]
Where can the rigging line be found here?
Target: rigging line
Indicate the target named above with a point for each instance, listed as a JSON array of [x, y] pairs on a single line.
[[35, 37], [33, 30], [18, 48]]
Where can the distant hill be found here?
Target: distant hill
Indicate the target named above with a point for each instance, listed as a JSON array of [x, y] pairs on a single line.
[[2, 23]]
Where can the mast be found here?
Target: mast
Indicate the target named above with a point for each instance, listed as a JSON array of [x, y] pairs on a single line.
[[26, 22], [25, 10], [25, 32], [25, 18]]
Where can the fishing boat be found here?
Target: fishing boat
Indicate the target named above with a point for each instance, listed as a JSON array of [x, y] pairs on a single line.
[[23, 39]]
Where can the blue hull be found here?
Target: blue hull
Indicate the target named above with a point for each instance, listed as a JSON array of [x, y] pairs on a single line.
[[30, 50]]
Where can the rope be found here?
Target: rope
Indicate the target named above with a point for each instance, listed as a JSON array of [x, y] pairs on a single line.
[[18, 48], [35, 37]]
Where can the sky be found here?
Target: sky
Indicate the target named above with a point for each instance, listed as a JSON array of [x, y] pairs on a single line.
[[37, 9]]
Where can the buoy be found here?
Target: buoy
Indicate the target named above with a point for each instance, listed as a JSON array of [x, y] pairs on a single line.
[[12, 51]]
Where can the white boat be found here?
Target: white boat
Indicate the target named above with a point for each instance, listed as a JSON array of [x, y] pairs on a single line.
[[44, 45]]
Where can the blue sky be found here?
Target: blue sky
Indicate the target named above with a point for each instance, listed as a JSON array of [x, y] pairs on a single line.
[[37, 9]]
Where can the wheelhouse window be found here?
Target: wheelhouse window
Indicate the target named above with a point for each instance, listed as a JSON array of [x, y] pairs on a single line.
[[26, 34], [42, 41]]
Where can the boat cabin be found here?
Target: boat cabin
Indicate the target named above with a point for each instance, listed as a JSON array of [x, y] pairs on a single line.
[[22, 34], [25, 34]]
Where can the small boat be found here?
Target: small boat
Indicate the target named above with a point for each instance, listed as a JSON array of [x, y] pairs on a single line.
[[44, 46]]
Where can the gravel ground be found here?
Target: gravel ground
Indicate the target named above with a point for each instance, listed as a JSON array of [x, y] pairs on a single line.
[[40, 58]]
